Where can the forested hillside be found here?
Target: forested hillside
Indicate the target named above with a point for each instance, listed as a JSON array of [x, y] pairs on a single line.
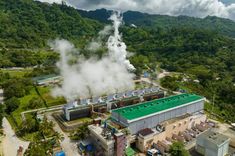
[[27, 24], [204, 55], [220, 25], [201, 48]]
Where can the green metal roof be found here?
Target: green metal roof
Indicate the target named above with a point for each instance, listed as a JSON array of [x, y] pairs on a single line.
[[45, 77], [150, 107]]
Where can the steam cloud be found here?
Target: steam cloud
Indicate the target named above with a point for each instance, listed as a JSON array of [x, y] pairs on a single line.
[[117, 48], [93, 77], [97, 42], [196, 8]]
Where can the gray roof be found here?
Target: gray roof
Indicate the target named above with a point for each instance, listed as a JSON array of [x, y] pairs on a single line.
[[214, 137]]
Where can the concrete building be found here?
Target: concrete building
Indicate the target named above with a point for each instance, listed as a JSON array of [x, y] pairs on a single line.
[[150, 114], [106, 143], [101, 141], [211, 143], [154, 123], [166, 130]]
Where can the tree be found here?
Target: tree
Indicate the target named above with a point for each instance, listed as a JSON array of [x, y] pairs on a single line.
[[38, 149], [12, 104], [35, 102], [140, 62], [30, 125], [81, 132], [1, 114], [15, 89], [170, 83], [177, 149], [46, 127]]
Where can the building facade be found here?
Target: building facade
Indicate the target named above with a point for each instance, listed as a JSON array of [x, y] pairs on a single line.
[[149, 114], [169, 128], [104, 145], [107, 144], [82, 108]]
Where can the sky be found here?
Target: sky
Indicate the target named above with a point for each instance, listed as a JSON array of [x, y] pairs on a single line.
[[194, 8]]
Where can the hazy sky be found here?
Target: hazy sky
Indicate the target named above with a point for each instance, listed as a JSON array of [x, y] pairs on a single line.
[[196, 8]]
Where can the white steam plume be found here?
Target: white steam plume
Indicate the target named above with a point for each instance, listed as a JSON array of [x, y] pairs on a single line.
[[93, 77], [96, 43], [117, 48]]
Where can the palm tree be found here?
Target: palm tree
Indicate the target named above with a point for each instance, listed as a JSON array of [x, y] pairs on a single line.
[[82, 132]]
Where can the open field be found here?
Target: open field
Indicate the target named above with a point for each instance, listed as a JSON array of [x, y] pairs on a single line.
[[17, 72], [45, 93]]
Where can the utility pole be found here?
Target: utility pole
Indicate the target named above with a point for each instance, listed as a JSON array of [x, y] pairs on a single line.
[[213, 103]]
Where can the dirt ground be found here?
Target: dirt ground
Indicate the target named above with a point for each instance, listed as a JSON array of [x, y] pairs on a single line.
[[10, 142]]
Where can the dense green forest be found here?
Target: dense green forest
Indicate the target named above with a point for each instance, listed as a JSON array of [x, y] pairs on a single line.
[[204, 55], [27, 24], [201, 48], [144, 20], [26, 27]]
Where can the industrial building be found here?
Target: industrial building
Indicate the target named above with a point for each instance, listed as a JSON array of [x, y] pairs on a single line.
[[150, 114], [179, 129], [155, 123], [47, 79], [211, 143], [83, 107], [107, 143]]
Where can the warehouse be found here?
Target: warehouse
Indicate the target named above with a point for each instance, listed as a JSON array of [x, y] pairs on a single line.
[[149, 114]]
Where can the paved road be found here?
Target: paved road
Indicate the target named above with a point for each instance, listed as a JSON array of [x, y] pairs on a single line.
[[10, 142], [163, 74], [70, 148]]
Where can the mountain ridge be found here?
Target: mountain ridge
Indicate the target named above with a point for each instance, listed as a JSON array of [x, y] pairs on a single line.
[[221, 25]]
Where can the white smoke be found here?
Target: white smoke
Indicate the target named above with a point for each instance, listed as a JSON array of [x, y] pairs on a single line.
[[196, 8], [93, 77], [117, 48], [96, 43]]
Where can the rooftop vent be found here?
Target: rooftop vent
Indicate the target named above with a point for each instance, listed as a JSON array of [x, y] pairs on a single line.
[[110, 97], [95, 99], [83, 101]]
